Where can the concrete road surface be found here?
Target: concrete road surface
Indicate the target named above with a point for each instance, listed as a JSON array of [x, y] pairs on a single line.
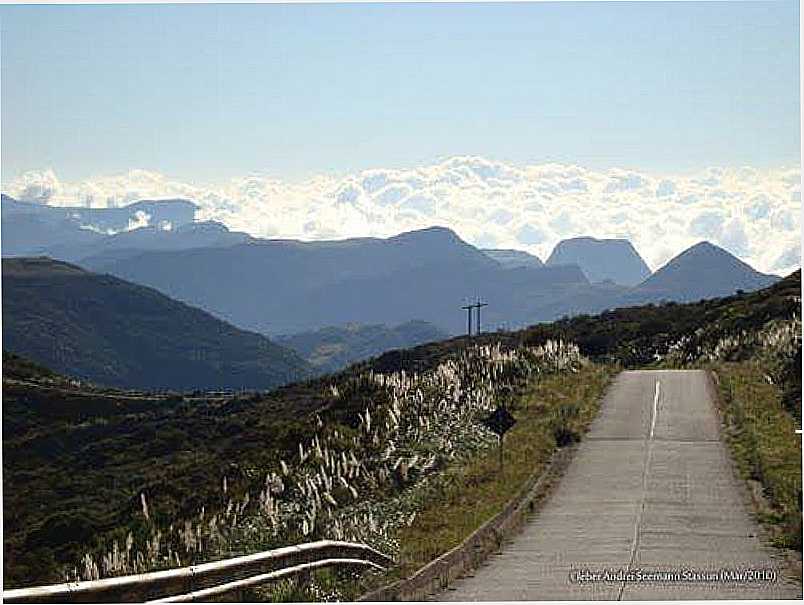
[[651, 488]]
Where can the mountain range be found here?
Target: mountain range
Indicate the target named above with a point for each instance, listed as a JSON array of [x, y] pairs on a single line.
[[316, 289], [75, 233], [283, 287]]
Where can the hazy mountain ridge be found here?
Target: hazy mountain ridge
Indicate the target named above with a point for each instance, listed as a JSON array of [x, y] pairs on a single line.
[[208, 234], [335, 347], [511, 259], [306, 286], [287, 286], [281, 286], [115, 333], [74, 233]]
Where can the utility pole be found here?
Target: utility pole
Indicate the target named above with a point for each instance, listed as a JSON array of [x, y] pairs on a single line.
[[478, 305], [468, 319]]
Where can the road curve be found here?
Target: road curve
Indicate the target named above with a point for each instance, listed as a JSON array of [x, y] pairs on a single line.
[[651, 488]]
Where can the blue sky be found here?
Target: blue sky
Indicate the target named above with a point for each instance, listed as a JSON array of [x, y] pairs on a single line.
[[204, 92]]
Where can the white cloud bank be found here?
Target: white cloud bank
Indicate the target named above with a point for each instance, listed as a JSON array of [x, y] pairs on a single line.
[[753, 213]]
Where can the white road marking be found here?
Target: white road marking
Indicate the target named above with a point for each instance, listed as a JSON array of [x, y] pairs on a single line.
[[655, 408], [645, 470]]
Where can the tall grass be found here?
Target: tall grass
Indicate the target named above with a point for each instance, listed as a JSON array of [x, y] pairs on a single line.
[[362, 479], [551, 412]]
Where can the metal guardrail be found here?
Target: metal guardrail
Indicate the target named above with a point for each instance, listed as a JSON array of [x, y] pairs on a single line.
[[207, 580]]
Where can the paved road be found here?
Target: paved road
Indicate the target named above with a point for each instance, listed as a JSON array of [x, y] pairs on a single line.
[[652, 488]]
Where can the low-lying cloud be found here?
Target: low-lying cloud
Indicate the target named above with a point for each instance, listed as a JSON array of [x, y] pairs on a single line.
[[751, 212]]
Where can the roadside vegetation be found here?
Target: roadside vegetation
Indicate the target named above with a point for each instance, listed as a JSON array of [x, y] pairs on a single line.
[[764, 444], [554, 412], [552, 409], [752, 341], [758, 369], [359, 465], [362, 475]]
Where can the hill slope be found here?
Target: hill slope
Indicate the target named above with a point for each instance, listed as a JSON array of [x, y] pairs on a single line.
[[112, 332], [602, 259], [636, 336]]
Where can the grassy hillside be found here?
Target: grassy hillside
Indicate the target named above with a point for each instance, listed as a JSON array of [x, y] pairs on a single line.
[[76, 459], [106, 330], [86, 468]]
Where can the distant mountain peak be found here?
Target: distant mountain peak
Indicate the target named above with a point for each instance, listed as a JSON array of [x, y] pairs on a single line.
[[703, 270], [437, 245], [703, 245], [434, 232], [707, 248], [602, 260], [706, 252]]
